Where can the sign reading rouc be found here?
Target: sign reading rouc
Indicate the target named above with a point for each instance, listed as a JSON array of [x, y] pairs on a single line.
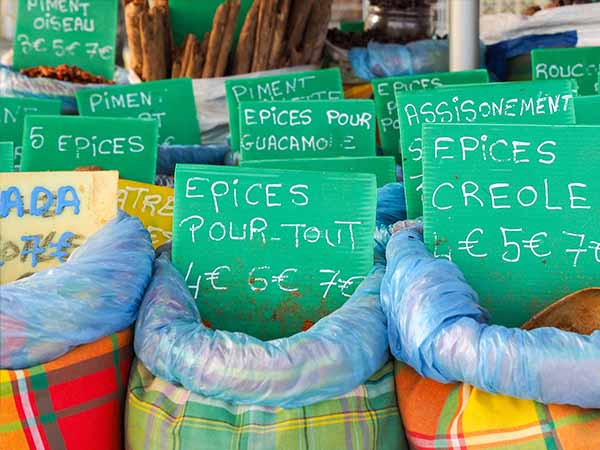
[[74, 32]]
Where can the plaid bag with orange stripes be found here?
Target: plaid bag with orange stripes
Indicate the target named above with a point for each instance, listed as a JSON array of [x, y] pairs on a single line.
[[72, 403]]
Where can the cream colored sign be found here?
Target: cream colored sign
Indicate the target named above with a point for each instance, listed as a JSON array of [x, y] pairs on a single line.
[[153, 205], [44, 216]]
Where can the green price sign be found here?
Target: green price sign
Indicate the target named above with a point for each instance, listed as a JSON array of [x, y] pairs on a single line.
[[314, 85], [544, 102], [581, 64], [517, 208], [587, 110], [80, 33], [170, 102], [12, 118], [7, 163], [264, 252], [307, 129], [385, 90], [58, 143], [383, 167]]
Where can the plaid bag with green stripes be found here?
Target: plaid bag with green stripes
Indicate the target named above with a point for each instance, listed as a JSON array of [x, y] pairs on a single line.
[[163, 416]]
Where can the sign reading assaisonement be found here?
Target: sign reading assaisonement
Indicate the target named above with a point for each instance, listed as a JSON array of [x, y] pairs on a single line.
[[12, 117], [170, 102], [581, 64], [153, 205], [543, 102], [517, 208], [385, 90], [307, 129], [45, 216], [264, 252], [314, 85], [73, 32], [383, 167], [7, 163], [66, 143]]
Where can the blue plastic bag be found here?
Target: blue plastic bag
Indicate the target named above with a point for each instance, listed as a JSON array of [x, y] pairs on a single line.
[[387, 60], [437, 326], [95, 293], [335, 356], [171, 155]]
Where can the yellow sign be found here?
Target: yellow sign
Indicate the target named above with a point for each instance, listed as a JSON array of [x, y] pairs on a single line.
[[45, 216], [153, 205]]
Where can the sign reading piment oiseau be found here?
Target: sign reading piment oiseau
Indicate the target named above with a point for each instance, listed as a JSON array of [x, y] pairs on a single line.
[[73, 32]]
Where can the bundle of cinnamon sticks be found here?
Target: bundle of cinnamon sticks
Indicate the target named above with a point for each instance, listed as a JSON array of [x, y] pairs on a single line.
[[275, 34]]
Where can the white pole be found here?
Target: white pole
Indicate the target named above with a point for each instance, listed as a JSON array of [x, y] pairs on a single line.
[[464, 34]]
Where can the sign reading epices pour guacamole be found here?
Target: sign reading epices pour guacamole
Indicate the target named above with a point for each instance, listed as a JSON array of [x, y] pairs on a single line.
[[263, 252], [170, 102], [314, 85], [66, 143], [581, 64], [75, 32], [517, 208], [307, 129], [543, 102], [385, 90]]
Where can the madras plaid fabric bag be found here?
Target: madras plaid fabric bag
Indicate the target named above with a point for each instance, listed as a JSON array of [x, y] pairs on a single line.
[[72, 403], [162, 416], [461, 417]]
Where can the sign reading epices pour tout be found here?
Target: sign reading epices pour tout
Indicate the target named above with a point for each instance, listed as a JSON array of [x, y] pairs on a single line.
[[74, 32], [517, 208], [264, 252], [66, 143], [307, 129]]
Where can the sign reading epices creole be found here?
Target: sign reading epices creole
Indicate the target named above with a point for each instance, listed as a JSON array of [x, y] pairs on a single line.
[[314, 85], [307, 129], [262, 253], [45, 216], [581, 64], [170, 102], [66, 143], [153, 205], [517, 208], [12, 117], [385, 90], [75, 32], [544, 102]]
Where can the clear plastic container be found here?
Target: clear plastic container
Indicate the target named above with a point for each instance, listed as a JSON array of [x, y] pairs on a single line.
[[402, 20]]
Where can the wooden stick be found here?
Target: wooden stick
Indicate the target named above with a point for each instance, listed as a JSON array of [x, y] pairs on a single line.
[[133, 12], [297, 26], [148, 48], [161, 42], [262, 47], [316, 32], [199, 59], [281, 22], [187, 53], [227, 43], [212, 54], [242, 61]]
